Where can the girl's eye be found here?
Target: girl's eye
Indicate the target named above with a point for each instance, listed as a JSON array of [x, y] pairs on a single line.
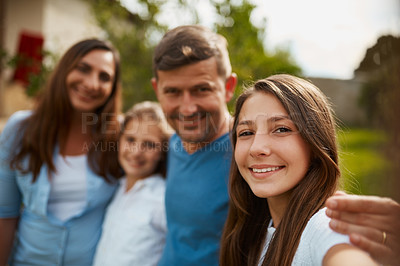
[[150, 145], [283, 130], [130, 139], [245, 133]]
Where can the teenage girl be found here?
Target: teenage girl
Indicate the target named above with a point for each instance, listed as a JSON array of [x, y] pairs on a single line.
[[284, 168]]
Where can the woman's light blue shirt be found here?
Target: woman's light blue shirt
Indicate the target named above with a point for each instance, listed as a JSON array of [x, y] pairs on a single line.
[[42, 239]]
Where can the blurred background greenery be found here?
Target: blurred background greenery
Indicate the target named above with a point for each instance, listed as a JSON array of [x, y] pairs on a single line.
[[363, 163]]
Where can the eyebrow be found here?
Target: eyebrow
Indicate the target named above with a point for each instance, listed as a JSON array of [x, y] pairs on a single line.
[[271, 119], [82, 62], [91, 66], [196, 86], [202, 85]]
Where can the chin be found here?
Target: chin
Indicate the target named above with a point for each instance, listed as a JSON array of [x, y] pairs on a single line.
[[260, 193]]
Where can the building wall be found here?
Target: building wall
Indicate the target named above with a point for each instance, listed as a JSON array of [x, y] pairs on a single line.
[[344, 96], [66, 22], [19, 15], [60, 22]]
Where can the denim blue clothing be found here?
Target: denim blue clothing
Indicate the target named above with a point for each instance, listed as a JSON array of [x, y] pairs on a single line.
[[42, 239], [196, 202]]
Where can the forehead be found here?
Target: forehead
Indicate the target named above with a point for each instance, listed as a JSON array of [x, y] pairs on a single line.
[[262, 106], [98, 58], [143, 127], [204, 71]]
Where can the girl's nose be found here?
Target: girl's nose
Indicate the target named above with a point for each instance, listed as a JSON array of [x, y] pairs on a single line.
[[261, 145]]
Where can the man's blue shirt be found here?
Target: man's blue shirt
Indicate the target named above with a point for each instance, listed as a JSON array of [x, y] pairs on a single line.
[[196, 202]]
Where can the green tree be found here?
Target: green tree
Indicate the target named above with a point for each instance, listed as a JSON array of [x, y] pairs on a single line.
[[136, 34], [250, 60], [131, 34], [36, 81]]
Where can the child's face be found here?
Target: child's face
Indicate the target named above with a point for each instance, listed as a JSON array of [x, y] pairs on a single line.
[[140, 148], [270, 153]]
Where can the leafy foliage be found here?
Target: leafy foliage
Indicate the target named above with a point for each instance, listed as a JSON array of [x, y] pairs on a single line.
[[133, 34], [36, 81], [249, 58]]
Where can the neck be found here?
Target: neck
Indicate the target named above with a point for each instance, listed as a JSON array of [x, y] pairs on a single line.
[[78, 138], [277, 207], [130, 182]]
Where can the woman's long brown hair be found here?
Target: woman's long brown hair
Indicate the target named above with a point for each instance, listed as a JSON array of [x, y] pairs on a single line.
[[49, 123], [248, 217]]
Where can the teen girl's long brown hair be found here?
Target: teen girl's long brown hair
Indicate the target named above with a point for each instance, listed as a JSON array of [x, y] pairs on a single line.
[[49, 123], [248, 217]]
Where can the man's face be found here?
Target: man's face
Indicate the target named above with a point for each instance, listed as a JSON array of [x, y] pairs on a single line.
[[194, 98]]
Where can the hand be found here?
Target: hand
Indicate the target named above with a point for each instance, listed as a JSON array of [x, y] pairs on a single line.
[[366, 219]]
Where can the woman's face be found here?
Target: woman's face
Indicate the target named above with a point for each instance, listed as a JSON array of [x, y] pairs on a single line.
[[140, 148], [270, 153], [90, 82]]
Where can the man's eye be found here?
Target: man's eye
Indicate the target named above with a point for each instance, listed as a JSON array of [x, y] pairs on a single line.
[[203, 89]]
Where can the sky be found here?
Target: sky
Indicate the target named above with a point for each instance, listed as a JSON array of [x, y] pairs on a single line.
[[325, 38]]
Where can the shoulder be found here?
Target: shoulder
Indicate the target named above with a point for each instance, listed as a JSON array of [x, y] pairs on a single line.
[[16, 118], [174, 139], [318, 228], [12, 130], [155, 183], [318, 238]]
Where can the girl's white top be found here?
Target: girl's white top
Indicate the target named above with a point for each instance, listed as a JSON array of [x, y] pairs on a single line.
[[316, 239], [134, 227]]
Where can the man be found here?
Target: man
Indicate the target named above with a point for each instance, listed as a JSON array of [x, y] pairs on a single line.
[[193, 81]]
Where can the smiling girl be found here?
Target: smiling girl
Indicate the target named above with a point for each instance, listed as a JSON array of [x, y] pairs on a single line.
[[135, 225], [285, 166]]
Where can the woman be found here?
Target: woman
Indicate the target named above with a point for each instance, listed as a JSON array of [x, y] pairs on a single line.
[[58, 162], [285, 166]]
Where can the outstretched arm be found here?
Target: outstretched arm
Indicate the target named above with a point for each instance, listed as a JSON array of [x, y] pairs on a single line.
[[345, 254], [373, 224]]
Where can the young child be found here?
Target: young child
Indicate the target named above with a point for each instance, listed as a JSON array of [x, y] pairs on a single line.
[[284, 168], [135, 225]]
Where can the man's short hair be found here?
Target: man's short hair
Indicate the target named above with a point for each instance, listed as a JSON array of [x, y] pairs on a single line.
[[189, 44]]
